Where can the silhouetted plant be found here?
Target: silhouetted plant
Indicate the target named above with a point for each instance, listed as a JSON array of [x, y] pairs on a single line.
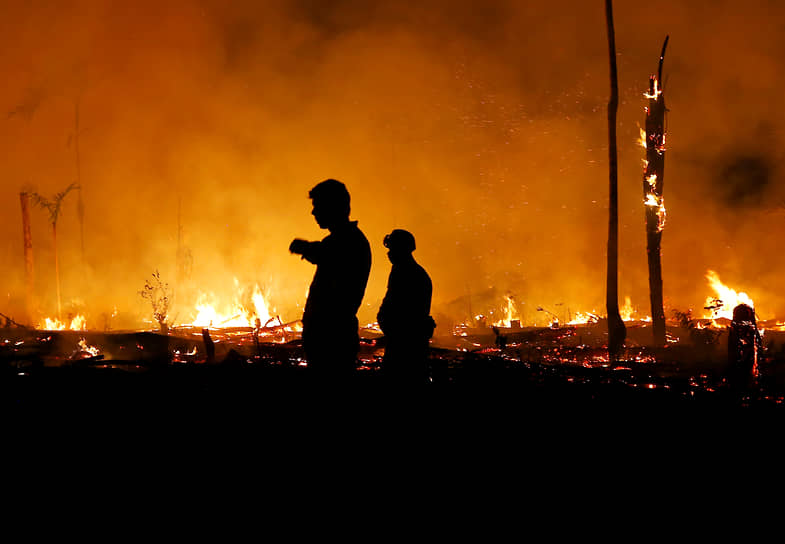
[[160, 295], [53, 206], [698, 335]]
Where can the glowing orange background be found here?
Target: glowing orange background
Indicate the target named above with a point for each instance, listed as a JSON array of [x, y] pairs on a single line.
[[479, 126]]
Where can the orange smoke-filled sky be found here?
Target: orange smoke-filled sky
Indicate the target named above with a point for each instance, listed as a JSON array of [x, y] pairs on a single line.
[[479, 126]]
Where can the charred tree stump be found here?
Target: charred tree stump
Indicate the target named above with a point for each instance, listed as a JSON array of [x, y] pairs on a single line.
[[209, 346], [617, 332], [24, 199], [744, 350], [653, 180]]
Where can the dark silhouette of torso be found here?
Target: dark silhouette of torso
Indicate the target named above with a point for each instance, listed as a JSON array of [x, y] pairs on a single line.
[[404, 318], [330, 327]]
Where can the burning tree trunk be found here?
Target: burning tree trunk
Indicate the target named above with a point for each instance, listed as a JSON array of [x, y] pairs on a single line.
[[617, 332], [24, 199], [653, 179]]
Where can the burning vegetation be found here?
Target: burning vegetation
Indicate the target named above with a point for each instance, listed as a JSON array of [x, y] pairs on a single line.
[[200, 174]]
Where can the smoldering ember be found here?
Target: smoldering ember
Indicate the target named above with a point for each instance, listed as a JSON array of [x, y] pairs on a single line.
[[158, 158]]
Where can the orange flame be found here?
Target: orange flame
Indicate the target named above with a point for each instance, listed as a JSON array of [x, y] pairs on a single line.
[[242, 312], [725, 299], [78, 323]]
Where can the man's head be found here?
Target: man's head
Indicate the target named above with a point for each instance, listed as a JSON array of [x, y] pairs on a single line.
[[331, 203], [399, 244]]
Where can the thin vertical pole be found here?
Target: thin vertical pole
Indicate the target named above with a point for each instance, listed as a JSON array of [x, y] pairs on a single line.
[[616, 329]]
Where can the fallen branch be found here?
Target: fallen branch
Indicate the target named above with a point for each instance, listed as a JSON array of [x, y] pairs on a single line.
[[10, 320]]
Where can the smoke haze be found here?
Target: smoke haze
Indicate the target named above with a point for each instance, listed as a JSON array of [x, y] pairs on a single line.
[[479, 126]]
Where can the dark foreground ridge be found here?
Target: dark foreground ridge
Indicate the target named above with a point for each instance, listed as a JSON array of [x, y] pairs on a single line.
[[147, 369]]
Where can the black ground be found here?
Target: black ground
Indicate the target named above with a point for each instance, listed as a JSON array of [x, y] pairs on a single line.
[[137, 370]]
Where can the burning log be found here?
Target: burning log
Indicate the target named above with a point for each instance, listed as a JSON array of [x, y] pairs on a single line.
[[653, 179], [9, 321], [617, 332]]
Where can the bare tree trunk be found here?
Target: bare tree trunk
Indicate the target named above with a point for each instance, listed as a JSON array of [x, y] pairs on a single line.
[[53, 207], [57, 270], [653, 180], [28, 252], [617, 332], [79, 202]]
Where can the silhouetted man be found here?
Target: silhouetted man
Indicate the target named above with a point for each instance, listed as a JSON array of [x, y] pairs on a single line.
[[343, 262], [404, 315]]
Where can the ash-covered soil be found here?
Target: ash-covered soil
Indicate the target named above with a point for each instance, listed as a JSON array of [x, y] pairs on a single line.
[[556, 369]]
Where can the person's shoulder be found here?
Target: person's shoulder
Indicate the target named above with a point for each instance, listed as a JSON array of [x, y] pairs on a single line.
[[358, 233], [423, 273], [420, 268]]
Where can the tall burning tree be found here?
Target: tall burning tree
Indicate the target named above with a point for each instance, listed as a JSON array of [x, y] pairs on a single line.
[[653, 139], [617, 332], [53, 206]]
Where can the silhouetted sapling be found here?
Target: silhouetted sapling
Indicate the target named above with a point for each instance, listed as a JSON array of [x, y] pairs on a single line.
[[159, 294], [698, 334]]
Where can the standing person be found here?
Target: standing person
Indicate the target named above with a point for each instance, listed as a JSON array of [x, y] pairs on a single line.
[[343, 263], [404, 315]]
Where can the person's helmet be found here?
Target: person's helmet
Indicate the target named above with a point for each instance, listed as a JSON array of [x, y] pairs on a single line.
[[400, 240]]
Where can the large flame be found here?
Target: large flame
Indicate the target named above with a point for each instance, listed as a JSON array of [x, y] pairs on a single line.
[[584, 318], [724, 300], [510, 313], [77, 323], [627, 312], [243, 311]]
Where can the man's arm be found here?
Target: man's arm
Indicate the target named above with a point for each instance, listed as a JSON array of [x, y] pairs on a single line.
[[310, 251]]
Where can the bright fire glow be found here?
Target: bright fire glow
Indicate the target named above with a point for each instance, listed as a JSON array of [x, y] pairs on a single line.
[[627, 310], [725, 299], [510, 313], [657, 202], [78, 323], [584, 318], [627, 313], [242, 312], [657, 91], [91, 350]]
